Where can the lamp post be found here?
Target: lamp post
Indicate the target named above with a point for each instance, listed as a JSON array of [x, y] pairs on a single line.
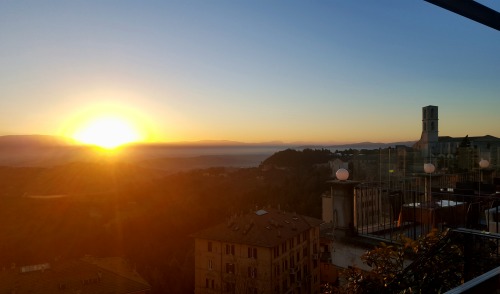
[[482, 165], [343, 202], [428, 169]]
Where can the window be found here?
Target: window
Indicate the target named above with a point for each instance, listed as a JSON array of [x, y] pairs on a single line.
[[229, 268], [252, 272], [209, 246], [209, 282], [252, 252], [210, 264], [230, 249]]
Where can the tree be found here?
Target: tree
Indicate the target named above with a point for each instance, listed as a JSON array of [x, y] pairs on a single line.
[[437, 267]]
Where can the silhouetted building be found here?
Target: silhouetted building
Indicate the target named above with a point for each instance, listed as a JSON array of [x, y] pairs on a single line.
[[430, 130], [448, 153], [266, 251]]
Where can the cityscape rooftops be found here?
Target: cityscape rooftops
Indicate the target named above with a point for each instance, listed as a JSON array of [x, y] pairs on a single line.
[[264, 228]]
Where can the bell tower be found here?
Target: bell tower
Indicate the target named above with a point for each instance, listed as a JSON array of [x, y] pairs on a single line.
[[430, 128]]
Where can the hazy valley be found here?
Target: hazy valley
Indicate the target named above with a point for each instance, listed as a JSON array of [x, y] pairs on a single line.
[[62, 202]]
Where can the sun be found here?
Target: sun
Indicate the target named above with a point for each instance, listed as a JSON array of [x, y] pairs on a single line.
[[108, 132]]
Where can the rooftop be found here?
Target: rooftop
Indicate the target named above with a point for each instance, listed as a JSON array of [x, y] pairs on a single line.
[[486, 138], [263, 228], [86, 275]]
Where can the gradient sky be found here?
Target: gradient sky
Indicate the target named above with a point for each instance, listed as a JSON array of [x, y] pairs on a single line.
[[249, 70]]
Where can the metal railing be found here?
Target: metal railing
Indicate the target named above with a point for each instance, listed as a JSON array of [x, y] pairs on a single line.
[[481, 253], [414, 206]]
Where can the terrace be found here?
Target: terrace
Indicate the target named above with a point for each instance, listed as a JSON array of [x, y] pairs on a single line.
[[413, 206], [466, 203]]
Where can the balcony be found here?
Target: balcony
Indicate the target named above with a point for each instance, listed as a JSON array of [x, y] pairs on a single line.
[[413, 207]]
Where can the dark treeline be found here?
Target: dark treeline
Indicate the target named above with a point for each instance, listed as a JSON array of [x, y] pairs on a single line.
[[143, 215], [299, 159]]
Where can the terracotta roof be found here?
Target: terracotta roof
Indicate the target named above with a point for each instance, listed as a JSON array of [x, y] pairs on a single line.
[[86, 275], [264, 228]]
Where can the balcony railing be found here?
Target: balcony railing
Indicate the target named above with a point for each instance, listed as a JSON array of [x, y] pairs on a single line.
[[414, 206]]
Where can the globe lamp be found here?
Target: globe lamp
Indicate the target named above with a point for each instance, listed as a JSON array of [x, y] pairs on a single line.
[[342, 174]]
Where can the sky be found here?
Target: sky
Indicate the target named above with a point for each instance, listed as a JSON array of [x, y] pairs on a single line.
[[322, 71]]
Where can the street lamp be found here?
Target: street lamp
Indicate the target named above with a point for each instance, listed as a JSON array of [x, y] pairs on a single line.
[[428, 169], [482, 165], [342, 174], [343, 202]]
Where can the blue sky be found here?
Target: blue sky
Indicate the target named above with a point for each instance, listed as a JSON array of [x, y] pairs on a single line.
[[252, 71]]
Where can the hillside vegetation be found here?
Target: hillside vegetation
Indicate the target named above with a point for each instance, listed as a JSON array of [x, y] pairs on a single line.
[[144, 215], [299, 159]]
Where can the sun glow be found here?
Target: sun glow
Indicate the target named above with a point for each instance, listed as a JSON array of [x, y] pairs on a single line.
[[108, 132]]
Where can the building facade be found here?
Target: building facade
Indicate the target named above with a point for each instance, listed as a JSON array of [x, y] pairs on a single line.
[[430, 130], [448, 153], [267, 251]]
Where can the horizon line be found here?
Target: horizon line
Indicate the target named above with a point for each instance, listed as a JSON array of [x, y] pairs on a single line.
[[72, 141]]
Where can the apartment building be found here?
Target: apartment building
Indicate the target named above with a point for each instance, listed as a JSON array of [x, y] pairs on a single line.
[[265, 251]]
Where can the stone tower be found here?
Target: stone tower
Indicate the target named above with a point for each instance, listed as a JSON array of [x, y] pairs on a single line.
[[430, 130], [430, 123]]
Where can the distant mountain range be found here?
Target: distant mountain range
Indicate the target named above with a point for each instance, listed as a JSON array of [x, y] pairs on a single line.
[[54, 141], [370, 145], [42, 150], [34, 141]]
